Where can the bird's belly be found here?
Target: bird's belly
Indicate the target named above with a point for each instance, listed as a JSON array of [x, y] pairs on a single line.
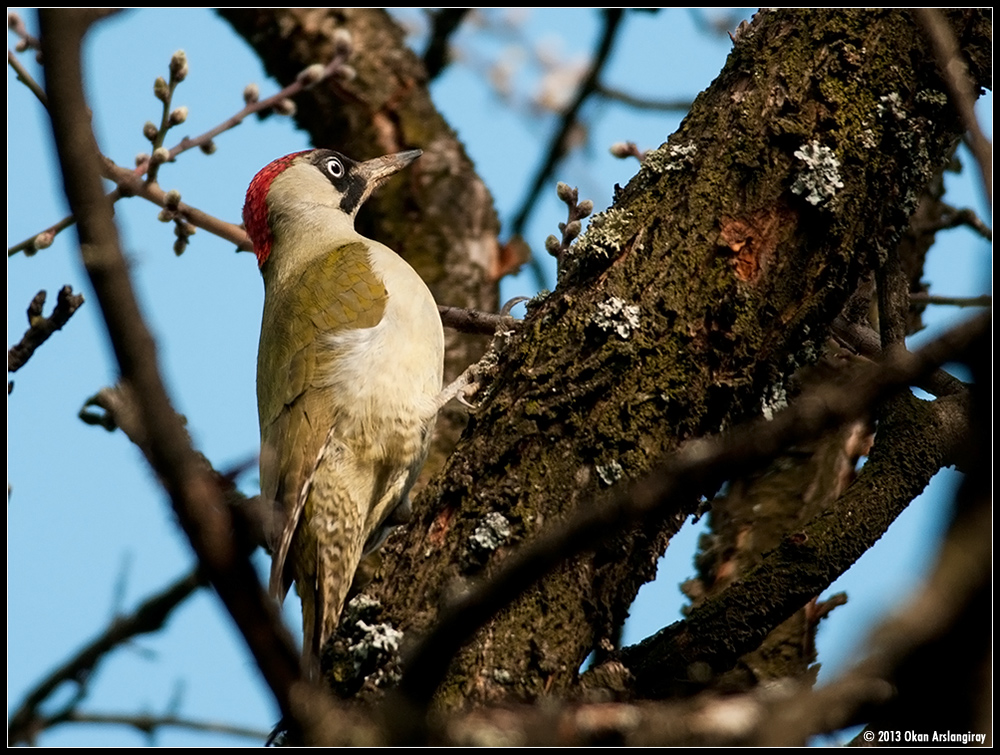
[[384, 383]]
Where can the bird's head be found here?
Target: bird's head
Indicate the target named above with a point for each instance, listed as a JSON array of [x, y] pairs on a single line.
[[317, 191]]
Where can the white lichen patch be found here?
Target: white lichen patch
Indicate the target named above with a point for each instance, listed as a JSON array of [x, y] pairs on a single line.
[[932, 97], [381, 637], [775, 399], [605, 233], [892, 104], [670, 157], [492, 531], [615, 316], [361, 605], [610, 473], [819, 179]]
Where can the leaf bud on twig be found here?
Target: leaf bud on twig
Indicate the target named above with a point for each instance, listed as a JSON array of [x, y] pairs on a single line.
[[311, 75], [160, 155], [251, 93], [178, 66], [173, 199], [285, 107], [345, 73], [342, 42], [161, 90], [179, 115]]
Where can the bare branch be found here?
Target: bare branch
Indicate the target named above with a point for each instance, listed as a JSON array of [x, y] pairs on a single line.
[[131, 182], [26, 78], [698, 466], [865, 342], [42, 327], [954, 301], [642, 103], [28, 720], [28, 42], [558, 144], [960, 89], [473, 321], [444, 23], [953, 218], [149, 724], [194, 494]]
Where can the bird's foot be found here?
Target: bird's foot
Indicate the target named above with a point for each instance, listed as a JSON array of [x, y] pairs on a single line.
[[462, 388]]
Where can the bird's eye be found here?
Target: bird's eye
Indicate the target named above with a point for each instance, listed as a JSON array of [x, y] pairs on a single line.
[[334, 167]]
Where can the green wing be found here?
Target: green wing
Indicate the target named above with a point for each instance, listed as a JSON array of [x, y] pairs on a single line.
[[334, 293]]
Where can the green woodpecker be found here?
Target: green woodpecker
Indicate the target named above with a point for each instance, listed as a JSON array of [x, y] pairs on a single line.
[[348, 372]]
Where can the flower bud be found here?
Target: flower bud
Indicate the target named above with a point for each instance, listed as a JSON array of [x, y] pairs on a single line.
[[150, 131]]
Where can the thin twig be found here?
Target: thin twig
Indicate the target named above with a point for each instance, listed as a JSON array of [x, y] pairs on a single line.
[[149, 723], [28, 42], [960, 89], [40, 327], [148, 617], [27, 79], [557, 145], [130, 182], [195, 495], [444, 23], [642, 103], [985, 300], [953, 218], [474, 321]]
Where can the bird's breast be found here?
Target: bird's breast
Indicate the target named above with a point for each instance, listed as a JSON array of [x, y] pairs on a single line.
[[385, 379]]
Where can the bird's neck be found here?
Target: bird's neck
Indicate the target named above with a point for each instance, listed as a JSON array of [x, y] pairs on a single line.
[[303, 236]]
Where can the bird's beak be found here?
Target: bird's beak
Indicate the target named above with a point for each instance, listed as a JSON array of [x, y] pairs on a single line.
[[380, 168]]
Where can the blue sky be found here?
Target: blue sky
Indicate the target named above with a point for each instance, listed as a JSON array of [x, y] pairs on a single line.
[[89, 530]]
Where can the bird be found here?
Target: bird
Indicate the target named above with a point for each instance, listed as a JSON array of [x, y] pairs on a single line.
[[349, 367]]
